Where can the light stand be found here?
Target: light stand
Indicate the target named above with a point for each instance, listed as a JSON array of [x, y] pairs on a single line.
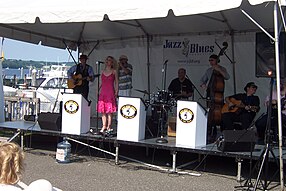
[[265, 154], [267, 148], [248, 182]]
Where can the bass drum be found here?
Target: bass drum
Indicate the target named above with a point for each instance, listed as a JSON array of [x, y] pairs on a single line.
[[163, 97]]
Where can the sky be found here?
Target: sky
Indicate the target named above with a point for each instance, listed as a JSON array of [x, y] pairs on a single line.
[[26, 51]]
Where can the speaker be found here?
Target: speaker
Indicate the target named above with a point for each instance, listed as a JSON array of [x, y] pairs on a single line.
[[265, 55], [29, 117], [50, 121], [237, 141]]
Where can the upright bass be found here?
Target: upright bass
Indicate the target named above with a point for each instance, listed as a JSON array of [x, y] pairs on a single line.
[[215, 94]]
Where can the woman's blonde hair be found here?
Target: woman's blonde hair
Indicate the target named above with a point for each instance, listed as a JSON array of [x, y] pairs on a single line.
[[11, 163], [114, 62]]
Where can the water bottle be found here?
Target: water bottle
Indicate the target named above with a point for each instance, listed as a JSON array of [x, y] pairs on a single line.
[[63, 151]]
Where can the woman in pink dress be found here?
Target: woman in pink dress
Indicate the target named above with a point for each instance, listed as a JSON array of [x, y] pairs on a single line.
[[108, 92]]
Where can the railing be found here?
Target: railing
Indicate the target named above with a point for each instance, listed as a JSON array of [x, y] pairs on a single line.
[[17, 107]]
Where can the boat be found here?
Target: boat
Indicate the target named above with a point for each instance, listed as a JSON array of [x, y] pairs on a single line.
[[55, 71], [48, 87]]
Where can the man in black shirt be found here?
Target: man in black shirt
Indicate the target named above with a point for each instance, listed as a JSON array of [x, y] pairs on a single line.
[[181, 87], [81, 74], [241, 108]]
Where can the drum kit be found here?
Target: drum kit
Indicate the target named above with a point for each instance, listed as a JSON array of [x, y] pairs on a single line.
[[161, 103], [162, 97]]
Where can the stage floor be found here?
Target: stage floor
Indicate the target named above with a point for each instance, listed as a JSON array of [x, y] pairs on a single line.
[[210, 149]]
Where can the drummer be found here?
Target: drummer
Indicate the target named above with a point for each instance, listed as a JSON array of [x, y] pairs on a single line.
[[181, 87]]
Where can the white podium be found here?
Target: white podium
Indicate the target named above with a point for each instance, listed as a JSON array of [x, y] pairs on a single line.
[[75, 114], [131, 119], [191, 124]]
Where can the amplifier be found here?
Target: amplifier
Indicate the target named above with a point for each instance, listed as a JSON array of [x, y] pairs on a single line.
[[237, 141], [50, 121], [29, 117]]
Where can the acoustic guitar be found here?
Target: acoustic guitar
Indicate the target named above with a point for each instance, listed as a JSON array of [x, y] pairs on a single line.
[[76, 80], [238, 105]]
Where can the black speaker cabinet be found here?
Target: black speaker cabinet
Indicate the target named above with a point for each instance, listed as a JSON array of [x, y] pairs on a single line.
[[50, 121], [237, 141], [265, 55], [29, 117]]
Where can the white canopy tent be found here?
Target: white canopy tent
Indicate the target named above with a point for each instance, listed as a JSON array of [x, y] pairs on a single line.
[[140, 28], [93, 24], [87, 21]]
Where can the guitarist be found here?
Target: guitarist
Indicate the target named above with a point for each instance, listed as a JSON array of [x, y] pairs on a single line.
[[86, 74], [247, 109]]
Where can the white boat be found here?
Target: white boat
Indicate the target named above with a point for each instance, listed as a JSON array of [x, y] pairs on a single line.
[[56, 71], [48, 88]]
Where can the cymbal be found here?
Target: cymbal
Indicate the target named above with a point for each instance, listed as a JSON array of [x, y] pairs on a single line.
[[142, 91]]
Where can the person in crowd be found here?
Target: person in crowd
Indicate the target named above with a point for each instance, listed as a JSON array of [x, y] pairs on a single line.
[[262, 122], [124, 76], [108, 94], [213, 82], [80, 75], [181, 87], [241, 107], [11, 170]]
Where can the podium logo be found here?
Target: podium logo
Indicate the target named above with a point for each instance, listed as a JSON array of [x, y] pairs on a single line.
[[128, 111], [71, 106], [186, 115]]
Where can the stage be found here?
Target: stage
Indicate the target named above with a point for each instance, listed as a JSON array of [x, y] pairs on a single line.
[[25, 127]]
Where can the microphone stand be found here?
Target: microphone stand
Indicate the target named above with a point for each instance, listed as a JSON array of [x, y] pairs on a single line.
[[164, 71], [164, 111], [201, 96], [222, 51], [96, 128]]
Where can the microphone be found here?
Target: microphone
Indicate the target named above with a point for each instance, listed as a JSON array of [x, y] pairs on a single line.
[[221, 52], [99, 62], [164, 65]]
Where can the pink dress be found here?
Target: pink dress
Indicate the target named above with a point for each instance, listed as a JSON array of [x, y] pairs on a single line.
[[106, 101]]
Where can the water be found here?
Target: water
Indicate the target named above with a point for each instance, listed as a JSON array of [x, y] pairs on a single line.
[[9, 73], [63, 151]]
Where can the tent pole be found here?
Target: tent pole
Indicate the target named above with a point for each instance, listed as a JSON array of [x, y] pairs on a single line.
[[276, 40], [69, 51], [233, 63], [148, 62], [276, 33], [2, 103]]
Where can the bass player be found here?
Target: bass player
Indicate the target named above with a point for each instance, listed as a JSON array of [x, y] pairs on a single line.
[[80, 75], [241, 108]]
